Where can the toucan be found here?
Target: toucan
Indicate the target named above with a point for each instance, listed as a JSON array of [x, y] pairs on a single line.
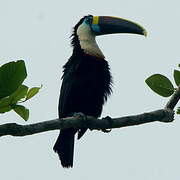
[[87, 80]]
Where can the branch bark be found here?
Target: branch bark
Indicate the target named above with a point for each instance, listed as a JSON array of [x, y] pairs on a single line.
[[163, 115]]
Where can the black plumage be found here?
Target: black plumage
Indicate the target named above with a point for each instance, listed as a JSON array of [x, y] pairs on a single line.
[[85, 88]]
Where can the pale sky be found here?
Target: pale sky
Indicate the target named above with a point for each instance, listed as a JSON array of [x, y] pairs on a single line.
[[38, 31]]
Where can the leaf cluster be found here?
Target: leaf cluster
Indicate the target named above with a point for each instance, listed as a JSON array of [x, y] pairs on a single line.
[[12, 90], [161, 85]]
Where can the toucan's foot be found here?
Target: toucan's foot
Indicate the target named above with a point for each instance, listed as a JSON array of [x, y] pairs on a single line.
[[110, 121], [84, 119]]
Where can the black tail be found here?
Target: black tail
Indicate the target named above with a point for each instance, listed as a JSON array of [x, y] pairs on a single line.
[[81, 132], [64, 147]]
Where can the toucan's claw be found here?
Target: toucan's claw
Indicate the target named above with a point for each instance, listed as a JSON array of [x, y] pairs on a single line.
[[81, 115], [106, 130]]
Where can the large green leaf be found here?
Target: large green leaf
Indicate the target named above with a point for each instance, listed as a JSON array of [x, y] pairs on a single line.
[[177, 77], [20, 93], [21, 111], [160, 84], [12, 76]]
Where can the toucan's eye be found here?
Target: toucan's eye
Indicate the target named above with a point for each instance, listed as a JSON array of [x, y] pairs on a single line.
[[88, 20]]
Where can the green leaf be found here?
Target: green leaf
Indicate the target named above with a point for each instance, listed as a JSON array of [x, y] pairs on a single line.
[[32, 92], [20, 93], [160, 84], [177, 77], [5, 109], [5, 105], [4, 102], [178, 110], [21, 111], [12, 76]]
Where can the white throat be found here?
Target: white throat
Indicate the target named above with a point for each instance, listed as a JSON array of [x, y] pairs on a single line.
[[88, 41]]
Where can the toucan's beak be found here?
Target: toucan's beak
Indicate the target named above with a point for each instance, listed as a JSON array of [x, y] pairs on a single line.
[[108, 25]]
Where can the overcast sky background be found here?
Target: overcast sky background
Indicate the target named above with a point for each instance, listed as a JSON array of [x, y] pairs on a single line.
[[38, 31]]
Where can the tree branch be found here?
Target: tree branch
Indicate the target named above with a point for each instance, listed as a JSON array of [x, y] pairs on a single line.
[[174, 99], [163, 115]]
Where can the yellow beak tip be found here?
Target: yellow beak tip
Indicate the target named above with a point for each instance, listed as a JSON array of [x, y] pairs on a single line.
[[145, 33]]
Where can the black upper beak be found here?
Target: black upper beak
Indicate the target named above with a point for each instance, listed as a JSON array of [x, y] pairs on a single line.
[[108, 25]]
